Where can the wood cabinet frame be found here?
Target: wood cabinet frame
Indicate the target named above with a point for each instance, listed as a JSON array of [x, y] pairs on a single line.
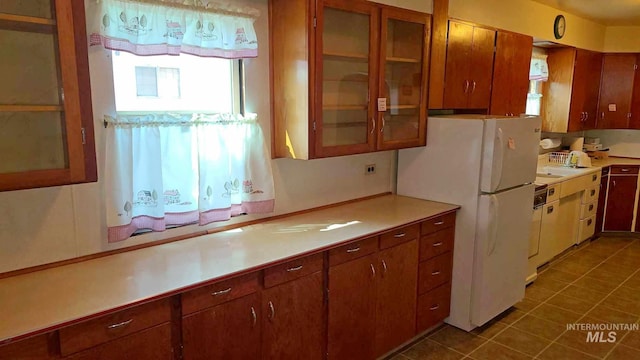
[[77, 109]]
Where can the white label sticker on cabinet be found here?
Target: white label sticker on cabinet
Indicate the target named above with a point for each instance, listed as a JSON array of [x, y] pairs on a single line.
[[382, 104], [612, 107], [511, 144]]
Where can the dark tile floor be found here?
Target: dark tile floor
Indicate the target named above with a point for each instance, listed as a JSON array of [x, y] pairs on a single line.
[[598, 283]]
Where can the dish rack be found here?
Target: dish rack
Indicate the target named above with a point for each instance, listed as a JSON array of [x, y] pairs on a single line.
[[557, 157]]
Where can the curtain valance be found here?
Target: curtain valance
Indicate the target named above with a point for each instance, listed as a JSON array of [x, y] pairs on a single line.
[[145, 27]]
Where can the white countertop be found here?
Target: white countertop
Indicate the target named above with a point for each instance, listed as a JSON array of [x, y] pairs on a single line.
[[39, 301], [596, 165]]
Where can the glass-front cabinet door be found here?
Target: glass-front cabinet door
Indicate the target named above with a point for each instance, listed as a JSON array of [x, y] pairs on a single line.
[[402, 108], [41, 105], [346, 43]]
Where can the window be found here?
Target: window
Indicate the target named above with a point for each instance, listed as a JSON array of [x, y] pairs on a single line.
[[534, 98], [184, 83]]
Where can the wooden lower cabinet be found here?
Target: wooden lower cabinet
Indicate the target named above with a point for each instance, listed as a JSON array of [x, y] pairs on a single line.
[[149, 344], [396, 293], [433, 307], [352, 309], [292, 325], [227, 331], [620, 203]]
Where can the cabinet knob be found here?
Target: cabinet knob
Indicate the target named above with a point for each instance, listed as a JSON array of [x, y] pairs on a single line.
[[593, 192], [589, 222], [590, 207], [552, 191], [550, 210], [594, 177]]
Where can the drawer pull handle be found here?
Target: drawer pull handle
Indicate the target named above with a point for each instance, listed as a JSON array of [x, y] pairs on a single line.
[[594, 177], [296, 268], [589, 222], [624, 170], [119, 325], [373, 271], [254, 316], [221, 292], [399, 235], [435, 273], [435, 307], [384, 267], [439, 222], [550, 210], [593, 192], [437, 244], [353, 250], [590, 207], [272, 311], [552, 191]]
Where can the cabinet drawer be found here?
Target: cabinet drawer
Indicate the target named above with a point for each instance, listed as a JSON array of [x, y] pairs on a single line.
[[588, 210], [434, 272], [624, 169], [220, 292], [587, 228], [109, 327], [591, 194], [433, 307], [38, 347], [352, 251], [553, 193], [437, 243], [292, 270], [400, 235], [438, 223], [149, 344], [594, 178]]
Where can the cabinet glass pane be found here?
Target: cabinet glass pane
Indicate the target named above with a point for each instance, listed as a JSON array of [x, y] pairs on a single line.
[[29, 71], [345, 87], [403, 77], [35, 8], [32, 141]]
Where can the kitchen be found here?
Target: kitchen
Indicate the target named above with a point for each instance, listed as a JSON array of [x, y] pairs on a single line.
[[72, 221]]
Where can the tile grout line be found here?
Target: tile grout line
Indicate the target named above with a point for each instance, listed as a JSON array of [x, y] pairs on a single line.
[[594, 306]]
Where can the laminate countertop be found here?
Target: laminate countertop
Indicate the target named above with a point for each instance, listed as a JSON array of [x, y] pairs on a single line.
[[40, 301]]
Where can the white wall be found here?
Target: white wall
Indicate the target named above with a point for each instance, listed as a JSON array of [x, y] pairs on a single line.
[[624, 143], [46, 225]]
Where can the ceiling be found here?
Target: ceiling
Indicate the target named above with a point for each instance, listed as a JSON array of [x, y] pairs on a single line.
[[606, 12]]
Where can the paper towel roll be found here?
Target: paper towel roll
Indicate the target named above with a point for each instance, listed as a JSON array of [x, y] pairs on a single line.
[[550, 143]]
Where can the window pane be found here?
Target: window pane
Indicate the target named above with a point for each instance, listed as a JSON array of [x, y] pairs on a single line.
[[146, 81], [180, 83]]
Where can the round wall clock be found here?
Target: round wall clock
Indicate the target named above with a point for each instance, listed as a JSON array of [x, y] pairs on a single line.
[[559, 26]]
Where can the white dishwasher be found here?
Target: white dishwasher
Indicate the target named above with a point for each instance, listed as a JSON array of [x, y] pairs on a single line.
[[539, 200]]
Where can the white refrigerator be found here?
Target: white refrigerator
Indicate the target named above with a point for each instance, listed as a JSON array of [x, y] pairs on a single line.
[[487, 165]]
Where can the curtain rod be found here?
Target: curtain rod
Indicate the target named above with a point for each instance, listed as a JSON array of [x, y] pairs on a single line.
[[246, 12]]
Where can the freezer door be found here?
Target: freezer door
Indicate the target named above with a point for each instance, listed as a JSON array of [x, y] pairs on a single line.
[[510, 153], [501, 252]]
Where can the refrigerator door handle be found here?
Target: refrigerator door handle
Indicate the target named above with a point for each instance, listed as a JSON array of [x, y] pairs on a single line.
[[499, 159], [494, 210]]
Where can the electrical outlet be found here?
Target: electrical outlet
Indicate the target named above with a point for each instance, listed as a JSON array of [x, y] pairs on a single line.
[[370, 169]]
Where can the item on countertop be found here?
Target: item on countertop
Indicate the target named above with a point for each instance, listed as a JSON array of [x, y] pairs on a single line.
[[592, 147], [550, 143], [592, 140]]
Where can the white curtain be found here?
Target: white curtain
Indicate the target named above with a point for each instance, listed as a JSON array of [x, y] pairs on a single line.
[[165, 169], [539, 69], [155, 27]]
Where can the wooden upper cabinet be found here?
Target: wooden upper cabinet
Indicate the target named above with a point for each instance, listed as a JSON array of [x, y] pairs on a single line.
[[511, 74], [347, 77], [45, 100], [469, 66], [404, 54], [635, 101], [614, 108], [571, 93]]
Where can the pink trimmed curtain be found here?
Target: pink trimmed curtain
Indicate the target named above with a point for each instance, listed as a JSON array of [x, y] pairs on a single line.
[[167, 27], [164, 169]]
